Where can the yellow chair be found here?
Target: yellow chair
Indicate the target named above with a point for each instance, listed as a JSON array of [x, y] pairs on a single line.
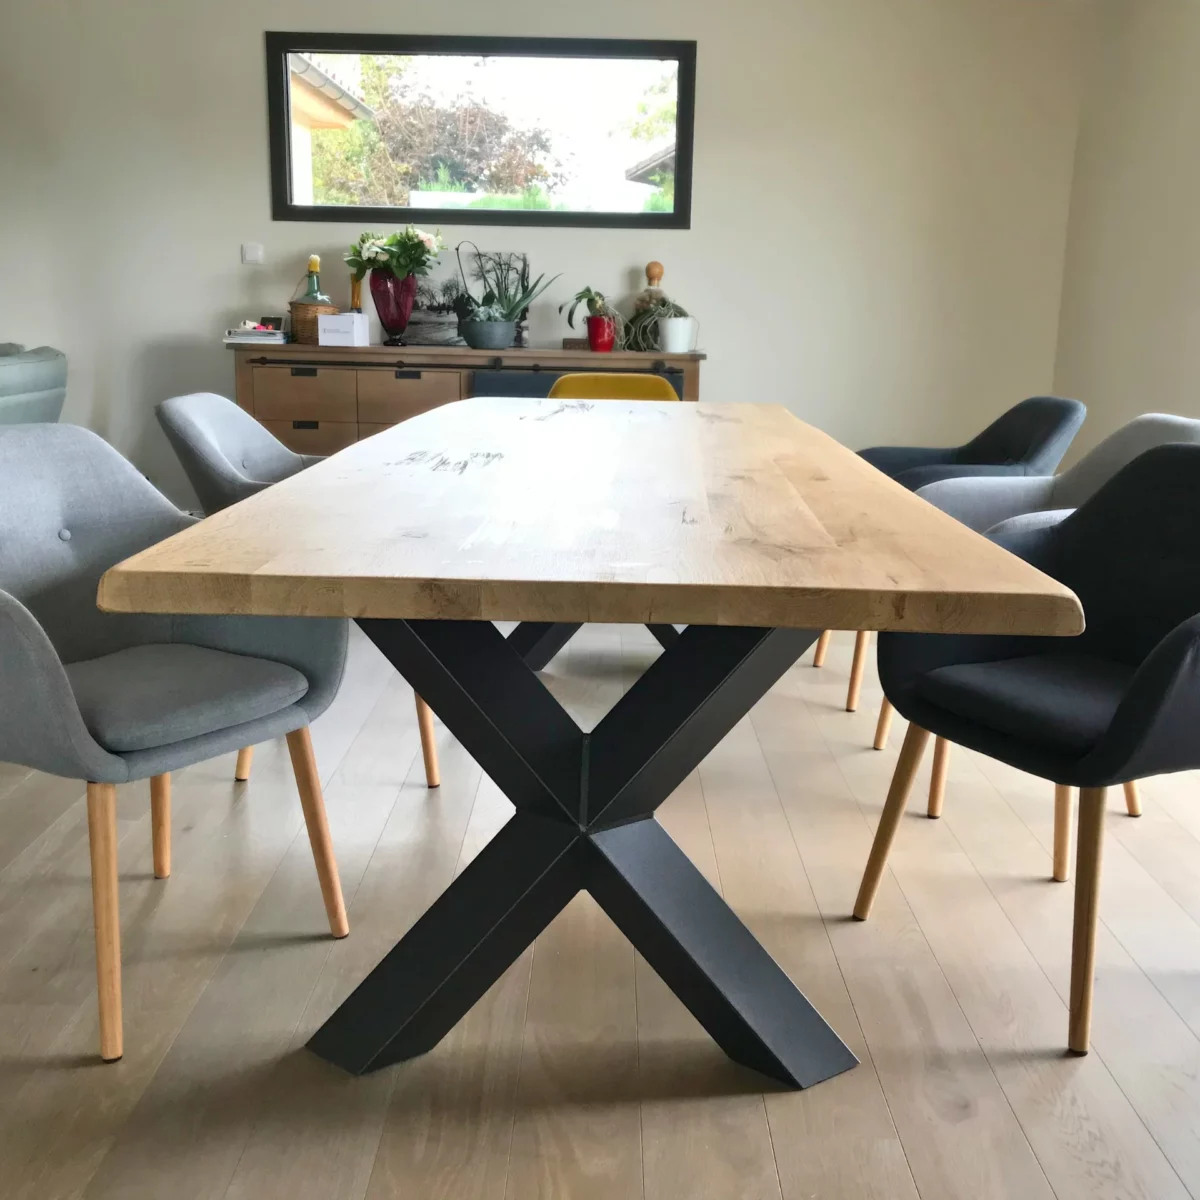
[[612, 385]]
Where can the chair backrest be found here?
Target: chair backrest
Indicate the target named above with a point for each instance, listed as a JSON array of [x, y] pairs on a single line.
[[1099, 465], [612, 385], [1132, 555], [33, 384], [1035, 434], [226, 454], [73, 507]]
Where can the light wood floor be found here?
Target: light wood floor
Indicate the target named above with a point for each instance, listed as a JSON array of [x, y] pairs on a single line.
[[579, 1074]]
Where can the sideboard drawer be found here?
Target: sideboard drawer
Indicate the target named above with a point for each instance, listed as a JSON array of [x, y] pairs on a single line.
[[314, 437], [388, 396], [305, 394]]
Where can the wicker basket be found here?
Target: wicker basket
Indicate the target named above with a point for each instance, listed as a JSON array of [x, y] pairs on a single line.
[[304, 321]]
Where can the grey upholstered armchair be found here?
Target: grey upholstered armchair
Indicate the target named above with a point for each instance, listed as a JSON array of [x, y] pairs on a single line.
[[984, 502], [227, 455], [111, 698], [1003, 507], [33, 384]]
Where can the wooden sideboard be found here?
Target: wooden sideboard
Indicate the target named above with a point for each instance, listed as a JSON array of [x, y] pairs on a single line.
[[318, 399]]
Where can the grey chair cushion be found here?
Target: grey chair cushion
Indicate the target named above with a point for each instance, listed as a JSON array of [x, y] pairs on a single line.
[[33, 384], [1061, 701], [148, 696]]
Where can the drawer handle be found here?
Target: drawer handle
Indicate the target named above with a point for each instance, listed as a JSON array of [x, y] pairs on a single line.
[[306, 424], [308, 372], [408, 374]]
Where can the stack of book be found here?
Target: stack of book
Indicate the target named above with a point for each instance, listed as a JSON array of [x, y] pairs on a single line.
[[254, 337]]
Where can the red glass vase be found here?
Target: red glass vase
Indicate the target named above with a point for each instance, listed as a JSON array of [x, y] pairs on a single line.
[[602, 333], [393, 298]]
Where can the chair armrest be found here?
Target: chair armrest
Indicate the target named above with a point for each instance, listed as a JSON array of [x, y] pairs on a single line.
[[40, 725], [981, 502], [311, 460], [893, 459], [918, 477], [314, 646], [1154, 730], [1029, 521]]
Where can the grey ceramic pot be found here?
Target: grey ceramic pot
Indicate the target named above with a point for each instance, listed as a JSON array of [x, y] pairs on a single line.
[[489, 335]]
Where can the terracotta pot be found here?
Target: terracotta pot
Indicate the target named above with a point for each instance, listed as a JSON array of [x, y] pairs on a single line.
[[602, 334], [393, 301]]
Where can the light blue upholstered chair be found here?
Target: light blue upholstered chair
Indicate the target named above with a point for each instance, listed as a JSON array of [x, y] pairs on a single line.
[[110, 698], [227, 455], [33, 384]]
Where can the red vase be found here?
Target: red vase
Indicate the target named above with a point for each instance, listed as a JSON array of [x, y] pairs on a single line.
[[602, 333], [393, 301]]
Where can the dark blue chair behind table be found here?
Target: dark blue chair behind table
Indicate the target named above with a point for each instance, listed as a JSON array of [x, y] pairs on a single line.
[[1030, 439], [1118, 703]]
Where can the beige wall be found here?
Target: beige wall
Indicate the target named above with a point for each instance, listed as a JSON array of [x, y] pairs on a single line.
[[895, 276], [1130, 327]]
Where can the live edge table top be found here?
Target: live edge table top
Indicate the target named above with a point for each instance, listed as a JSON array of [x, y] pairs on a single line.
[[609, 511]]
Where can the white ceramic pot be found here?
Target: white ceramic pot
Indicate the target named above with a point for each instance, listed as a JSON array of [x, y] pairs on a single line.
[[675, 334]]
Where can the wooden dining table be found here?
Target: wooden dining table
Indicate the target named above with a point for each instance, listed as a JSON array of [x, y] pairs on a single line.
[[739, 522]]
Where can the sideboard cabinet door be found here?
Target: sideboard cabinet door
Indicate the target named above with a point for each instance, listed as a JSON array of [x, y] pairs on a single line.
[[386, 396]]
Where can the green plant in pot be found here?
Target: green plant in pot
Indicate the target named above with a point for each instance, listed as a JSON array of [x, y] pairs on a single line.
[[605, 327], [643, 325], [489, 322]]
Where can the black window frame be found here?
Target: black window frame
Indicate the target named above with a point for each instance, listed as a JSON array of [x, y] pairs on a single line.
[[280, 45]]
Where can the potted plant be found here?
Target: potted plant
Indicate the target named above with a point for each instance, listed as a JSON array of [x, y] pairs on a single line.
[[644, 332], [394, 262], [490, 322], [605, 327]]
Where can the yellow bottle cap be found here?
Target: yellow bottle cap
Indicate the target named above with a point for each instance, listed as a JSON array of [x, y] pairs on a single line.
[[314, 262]]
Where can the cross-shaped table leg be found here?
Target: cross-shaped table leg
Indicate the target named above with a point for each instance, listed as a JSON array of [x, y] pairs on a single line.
[[584, 821]]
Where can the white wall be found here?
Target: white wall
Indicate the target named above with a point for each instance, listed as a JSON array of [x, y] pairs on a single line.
[[895, 276], [1130, 329]]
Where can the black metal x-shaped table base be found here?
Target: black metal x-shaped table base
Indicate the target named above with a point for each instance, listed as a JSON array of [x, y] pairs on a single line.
[[584, 821], [537, 642]]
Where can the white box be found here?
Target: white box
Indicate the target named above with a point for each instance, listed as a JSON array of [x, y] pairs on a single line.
[[343, 329]]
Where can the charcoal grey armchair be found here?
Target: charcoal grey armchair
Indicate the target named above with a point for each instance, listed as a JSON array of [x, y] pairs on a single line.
[[1118, 703], [1030, 439], [227, 455], [111, 698]]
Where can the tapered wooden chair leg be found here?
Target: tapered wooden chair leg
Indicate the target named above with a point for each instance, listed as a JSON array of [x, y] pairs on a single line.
[[160, 824], [308, 783], [1088, 852], [102, 843], [889, 822], [241, 769], [433, 776], [1063, 798], [822, 648], [862, 642], [1133, 801], [937, 778], [883, 726]]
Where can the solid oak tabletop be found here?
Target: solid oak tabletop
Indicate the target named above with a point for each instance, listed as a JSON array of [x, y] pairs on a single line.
[[586, 511]]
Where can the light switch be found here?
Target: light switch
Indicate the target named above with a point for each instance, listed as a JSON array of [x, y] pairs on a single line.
[[252, 254]]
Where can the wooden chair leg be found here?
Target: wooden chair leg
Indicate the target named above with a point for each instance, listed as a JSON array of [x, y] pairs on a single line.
[[308, 783], [884, 725], [160, 824], [1088, 853], [1063, 799], [861, 643], [937, 778], [1133, 802], [889, 822], [433, 776], [241, 769], [822, 648], [102, 843]]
